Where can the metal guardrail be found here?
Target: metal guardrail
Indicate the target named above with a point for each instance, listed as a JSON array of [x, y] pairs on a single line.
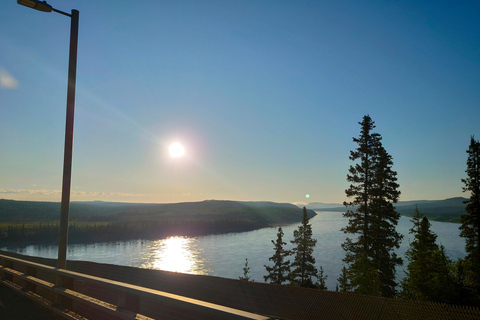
[[61, 298]]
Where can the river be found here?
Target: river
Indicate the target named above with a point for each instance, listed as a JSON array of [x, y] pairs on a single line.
[[224, 255]]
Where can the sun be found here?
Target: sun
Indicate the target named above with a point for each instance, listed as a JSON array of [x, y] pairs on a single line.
[[176, 150]]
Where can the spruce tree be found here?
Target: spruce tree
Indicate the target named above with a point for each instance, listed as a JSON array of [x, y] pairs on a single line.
[[424, 239], [384, 220], [418, 284], [462, 294], [415, 230], [304, 263], [246, 272], [470, 228], [321, 282], [278, 274], [445, 286], [343, 281], [372, 220], [431, 275]]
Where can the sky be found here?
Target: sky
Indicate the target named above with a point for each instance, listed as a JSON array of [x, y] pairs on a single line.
[[264, 96]]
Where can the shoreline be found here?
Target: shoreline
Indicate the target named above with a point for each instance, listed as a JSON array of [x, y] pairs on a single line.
[[105, 238]]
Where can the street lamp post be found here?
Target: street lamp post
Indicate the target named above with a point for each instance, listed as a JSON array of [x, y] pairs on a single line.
[[67, 160]]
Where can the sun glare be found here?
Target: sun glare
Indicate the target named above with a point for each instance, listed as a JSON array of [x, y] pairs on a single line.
[[176, 150], [177, 254], [174, 255]]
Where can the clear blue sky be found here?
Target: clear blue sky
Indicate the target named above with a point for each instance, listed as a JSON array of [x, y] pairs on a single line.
[[265, 96]]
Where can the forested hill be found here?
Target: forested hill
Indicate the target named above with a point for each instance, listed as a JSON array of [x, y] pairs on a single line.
[[448, 210], [109, 221], [270, 213]]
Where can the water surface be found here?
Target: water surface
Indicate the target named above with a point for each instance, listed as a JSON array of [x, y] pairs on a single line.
[[224, 255]]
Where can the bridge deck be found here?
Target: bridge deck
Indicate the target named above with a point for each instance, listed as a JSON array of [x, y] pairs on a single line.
[[15, 306], [281, 302]]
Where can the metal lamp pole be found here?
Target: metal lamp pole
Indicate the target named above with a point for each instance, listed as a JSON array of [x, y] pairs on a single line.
[[67, 160]]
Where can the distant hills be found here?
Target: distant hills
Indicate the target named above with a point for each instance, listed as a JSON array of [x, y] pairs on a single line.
[[97, 221], [448, 210], [321, 206], [269, 213], [32, 222]]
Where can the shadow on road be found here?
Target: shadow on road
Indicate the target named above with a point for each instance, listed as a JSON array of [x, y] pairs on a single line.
[[15, 306]]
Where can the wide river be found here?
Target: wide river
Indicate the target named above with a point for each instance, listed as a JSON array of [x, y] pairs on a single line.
[[224, 255]]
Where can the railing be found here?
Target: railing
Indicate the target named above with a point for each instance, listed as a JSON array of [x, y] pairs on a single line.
[[74, 295]]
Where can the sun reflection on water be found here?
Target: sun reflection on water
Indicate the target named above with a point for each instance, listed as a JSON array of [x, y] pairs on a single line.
[[177, 254]]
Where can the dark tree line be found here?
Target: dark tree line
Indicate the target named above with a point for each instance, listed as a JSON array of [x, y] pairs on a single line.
[[431, 275], [47, 233], [370, 258]]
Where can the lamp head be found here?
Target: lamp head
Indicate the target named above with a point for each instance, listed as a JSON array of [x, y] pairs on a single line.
[[37, 5]]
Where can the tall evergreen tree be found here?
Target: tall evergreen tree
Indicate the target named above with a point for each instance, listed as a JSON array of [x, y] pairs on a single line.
[[281, 265], [470, 228], [374, 188], [304, 263], [384, 220]]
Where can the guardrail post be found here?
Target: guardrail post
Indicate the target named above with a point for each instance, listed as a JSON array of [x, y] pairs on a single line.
[[129, 302], [8, 276], [67, 283], [29, 286]]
